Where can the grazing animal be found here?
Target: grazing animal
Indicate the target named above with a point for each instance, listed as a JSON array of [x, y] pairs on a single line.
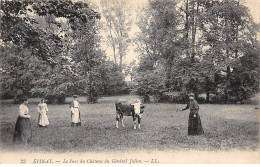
[[129, 108]]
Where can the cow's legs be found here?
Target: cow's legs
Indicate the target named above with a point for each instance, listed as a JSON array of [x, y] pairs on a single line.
[[116, 124], [139, 122], [117, 120], [122, 121], [134, 119]]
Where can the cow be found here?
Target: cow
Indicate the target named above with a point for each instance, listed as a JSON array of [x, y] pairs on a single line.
[[132, 108]]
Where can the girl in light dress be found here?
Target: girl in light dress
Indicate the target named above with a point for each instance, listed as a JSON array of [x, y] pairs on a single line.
[[75, 113], [43, 110]]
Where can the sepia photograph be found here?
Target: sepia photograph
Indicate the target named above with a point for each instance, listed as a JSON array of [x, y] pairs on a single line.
[[129, 81]]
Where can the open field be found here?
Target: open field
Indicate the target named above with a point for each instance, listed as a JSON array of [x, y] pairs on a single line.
[[227, 127]]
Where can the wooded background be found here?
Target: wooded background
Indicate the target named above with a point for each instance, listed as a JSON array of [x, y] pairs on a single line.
[[52, 49]]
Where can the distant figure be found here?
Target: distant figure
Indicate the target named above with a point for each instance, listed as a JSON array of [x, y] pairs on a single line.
[[194, 125], [23, 131], [75, 113], [43, 110]]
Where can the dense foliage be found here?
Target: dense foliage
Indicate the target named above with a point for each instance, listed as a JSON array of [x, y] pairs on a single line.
[[198, 46], [51, 49]]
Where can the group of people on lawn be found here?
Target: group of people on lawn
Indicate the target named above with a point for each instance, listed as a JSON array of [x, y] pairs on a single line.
[[23, 132]]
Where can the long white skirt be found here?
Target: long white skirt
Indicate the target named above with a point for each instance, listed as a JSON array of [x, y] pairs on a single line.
[[43, 119], [75, 117]]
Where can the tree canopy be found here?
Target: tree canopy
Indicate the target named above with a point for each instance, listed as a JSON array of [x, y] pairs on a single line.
[[52, 49], [198, 46]]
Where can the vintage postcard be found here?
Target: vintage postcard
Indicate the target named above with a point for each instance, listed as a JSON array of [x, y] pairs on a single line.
[[129, 81]]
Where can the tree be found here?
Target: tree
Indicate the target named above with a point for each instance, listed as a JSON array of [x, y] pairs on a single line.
[[159, 41], [117, 20], [63, 60], [229, 31], [131, 69], [206, 57], [20, 39], [244, 82], [150, 82], [112, 79]]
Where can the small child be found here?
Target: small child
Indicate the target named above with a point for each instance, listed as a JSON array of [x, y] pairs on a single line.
[[43, 110]]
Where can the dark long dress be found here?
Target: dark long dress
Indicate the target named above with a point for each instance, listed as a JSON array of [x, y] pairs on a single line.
[[194, 125], [23, 132]]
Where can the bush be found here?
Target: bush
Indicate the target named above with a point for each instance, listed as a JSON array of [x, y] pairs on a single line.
[[126, 90], [173, 97], [232, 100], [112, 80], [154, 98], [55, 99], [146, 99], [50, 99], [201, 99], [150, 82], [93, 92], [61, 99], [254, 100], [19, 97]]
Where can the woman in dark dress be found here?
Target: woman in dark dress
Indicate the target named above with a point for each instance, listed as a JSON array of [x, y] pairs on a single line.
[[23, 131], [194, 125]]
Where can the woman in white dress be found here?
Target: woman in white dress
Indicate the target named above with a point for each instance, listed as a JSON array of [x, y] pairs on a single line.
[[75, 113], [43, 110]]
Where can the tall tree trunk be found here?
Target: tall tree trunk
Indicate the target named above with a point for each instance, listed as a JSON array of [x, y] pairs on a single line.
[[208, 88], [227, 49], [114, 53], [194, 26], [236, 50], [228, 72], [112, 41], [121, 57], [121, 50], [186, 34], [168, 74], [227, 63], [207, 97]]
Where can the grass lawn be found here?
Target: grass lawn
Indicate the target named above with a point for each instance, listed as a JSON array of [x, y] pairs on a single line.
[[226, 127]]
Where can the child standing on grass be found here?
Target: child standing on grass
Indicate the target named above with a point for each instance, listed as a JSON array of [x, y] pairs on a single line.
[[194, 125], [75, 113], [43, 110]]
